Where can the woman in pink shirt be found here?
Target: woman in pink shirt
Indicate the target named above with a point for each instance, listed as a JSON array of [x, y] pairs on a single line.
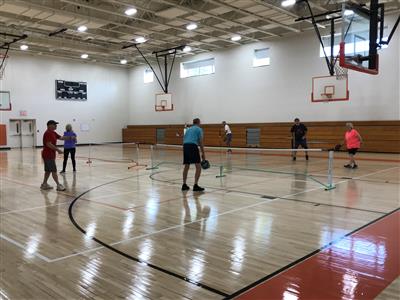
[[353, 142]]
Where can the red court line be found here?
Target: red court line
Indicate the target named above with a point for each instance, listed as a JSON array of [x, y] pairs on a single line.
[[360, 266]]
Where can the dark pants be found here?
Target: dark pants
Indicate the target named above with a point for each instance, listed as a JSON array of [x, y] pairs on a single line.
[[66, 154], [302, 143]]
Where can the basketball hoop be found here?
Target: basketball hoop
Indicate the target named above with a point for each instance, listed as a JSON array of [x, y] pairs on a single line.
[[164, 102], [340, 72], [327, 97], [3, 64]]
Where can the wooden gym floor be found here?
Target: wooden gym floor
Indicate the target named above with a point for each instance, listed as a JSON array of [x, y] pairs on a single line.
[[254, 234]]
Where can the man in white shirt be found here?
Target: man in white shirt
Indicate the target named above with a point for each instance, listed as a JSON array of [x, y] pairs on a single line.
[[228, 136]]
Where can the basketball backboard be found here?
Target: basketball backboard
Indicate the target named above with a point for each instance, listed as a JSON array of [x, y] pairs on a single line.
[[164, 102], [329, 88], [359, 39], [5, 101]]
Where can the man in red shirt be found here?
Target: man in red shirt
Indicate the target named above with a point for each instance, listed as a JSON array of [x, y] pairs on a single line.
[[50, 138]]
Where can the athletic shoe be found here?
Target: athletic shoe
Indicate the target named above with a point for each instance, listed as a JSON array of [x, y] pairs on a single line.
[[197, 188], [62, 172], [185, 187], [74, 171], [45, 187], [348, 166], [294, 158], [306, 157], [60, 188], [355, 166]]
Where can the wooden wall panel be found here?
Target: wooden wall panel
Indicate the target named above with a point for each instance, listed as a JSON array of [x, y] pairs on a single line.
[[379, 136], [3, 135]]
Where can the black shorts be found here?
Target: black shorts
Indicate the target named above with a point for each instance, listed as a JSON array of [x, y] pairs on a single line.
[[191, 154], [50, 165], [352, 151], [302, 143]]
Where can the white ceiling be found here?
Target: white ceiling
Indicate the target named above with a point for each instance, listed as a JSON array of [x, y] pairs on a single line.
[[161, 22]]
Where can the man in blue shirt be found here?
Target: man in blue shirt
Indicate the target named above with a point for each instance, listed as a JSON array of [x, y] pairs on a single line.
[[192, 140]]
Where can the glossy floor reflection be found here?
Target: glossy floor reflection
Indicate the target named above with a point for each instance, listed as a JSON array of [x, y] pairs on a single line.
[[145, 239], [360, 266]]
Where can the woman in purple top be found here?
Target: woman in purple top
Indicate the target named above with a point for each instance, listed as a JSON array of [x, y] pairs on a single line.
[[69, 147]]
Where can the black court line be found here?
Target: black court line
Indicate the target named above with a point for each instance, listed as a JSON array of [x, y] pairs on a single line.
[[228, 190], [331, 205], [168, 272], [265, 278]]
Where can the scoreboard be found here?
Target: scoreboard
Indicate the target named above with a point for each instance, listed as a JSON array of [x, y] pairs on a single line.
[[71, 90]]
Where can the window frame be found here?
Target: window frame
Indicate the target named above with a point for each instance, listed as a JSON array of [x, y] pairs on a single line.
[[148, 71], [182, 69], [255, 58]]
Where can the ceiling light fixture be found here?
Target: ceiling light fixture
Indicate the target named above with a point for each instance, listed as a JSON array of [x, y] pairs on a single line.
[[140, 40], [187, 49], [131, 11], [82, 28], [348, 12], [288, 3], [24, 47], [84, 56], [236, 38], [191, 26], [123, 61]]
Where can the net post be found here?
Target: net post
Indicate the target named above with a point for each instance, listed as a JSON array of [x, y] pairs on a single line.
[[221, 172], [89, 161], [330, 184], [137, 153], [152, 165], [221, 164]]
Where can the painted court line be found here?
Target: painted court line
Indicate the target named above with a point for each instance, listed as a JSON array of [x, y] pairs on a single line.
[[42, 257], [228, 212], [33, 208], [317, 275], [184, 224], [202, 219], [75, 254]]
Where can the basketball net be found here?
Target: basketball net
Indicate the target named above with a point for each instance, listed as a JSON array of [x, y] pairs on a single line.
[[340, 72]]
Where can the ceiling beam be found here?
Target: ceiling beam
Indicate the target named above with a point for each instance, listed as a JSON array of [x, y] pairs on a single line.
[[164, 21], [191, 9], [254, 15], [106, 16]]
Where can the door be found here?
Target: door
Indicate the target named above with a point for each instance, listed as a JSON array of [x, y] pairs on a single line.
[[15, 136], [253, 137], [28, 128], [160, 135]]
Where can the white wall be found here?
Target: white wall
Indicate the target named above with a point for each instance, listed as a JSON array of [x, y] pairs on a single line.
[[31, 81], [239, 93]]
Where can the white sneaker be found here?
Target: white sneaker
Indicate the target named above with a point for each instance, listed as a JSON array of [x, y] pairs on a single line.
[[45, 187], [60, 188]]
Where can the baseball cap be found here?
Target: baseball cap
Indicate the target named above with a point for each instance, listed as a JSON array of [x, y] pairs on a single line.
[[51, 122]]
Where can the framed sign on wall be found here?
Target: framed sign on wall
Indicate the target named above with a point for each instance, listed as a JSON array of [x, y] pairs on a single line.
[[71, 90]]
